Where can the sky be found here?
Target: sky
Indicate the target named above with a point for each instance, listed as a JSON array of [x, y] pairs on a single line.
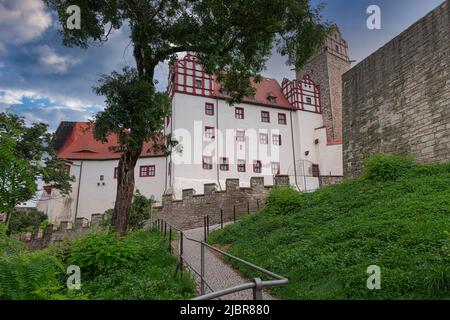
[[44, 81]]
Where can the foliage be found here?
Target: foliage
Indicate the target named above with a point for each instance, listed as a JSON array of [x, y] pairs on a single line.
[[26, 153], [7, 244], [31, 275], [20, 221], [324, 241], [141, 211], [137, 266], [232, 39], [382, 167]]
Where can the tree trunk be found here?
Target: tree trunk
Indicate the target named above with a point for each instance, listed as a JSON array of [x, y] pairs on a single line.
[[125, 190], [7, 222]]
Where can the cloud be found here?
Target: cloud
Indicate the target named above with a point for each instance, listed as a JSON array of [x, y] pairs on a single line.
[[22, 20], [51, 62]]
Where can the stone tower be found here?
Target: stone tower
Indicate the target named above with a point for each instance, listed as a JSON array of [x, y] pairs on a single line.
[[326, 69]]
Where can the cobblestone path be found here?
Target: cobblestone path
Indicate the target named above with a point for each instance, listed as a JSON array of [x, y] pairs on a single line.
[[218, 274]]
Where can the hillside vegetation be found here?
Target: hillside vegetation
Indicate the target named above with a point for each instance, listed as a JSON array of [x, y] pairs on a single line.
[[396, 216]]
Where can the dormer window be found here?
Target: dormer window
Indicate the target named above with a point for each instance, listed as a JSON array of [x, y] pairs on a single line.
[[272, 99], [251, 97]]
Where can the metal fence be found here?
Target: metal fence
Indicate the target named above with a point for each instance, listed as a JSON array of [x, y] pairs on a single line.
[[257, 284]]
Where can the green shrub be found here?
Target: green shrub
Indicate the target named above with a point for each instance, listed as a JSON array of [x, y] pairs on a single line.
[[283, 200], [141, 210], [381, 167], [26, 221], [31, 275], [8, 245]]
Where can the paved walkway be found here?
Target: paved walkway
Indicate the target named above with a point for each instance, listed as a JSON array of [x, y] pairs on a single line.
[[218, 274]]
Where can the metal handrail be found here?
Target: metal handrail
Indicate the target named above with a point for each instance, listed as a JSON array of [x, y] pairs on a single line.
[[257, 285]]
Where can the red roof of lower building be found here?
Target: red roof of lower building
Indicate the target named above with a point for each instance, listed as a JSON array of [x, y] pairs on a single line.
[[75, 141]]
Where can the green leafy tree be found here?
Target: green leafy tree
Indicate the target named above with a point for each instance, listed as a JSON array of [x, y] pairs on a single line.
[[26, 154], [232, 39]]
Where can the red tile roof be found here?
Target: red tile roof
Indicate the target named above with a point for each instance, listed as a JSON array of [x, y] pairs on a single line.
[[267, 87], [80, 144]]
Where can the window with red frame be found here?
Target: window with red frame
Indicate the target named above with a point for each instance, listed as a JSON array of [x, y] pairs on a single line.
[[207, 163], [209, 133], [239, 113], [240, 135], [209, 109], [116, 172], [257, 166], [275, 168], [198, 84], [147, 171], [263, 138], [224, 164], [276, 139], [265, 116], [282, 118], [241, 165]]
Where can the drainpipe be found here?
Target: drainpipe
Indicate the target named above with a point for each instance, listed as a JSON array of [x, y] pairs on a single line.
[[293, 150], [217, 144], [78, 192]]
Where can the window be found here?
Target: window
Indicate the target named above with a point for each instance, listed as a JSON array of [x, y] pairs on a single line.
[[241, 166], [102, 177], [276, 139], [240, 136], [272, 99], [223, 91], [198, 84], [275, 168], [257, 166], [224, 164], [167, 121], [209, 133], [308, 100], [116, 172], [67, 168], [207, 163], [239, 113], [265, 116], [337, 48], [209, 109], [282, 118], [147, 171], [251, 97], [315, 170], [263, 138]]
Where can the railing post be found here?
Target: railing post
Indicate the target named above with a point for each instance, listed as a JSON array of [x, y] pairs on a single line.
[[165, 229], [204, 229], [248, 207], [257, 204], [202, 268], [170, 239], [234, 213], [207, 227], [181, 250], [221, 218], [157, 224], [257, 290]]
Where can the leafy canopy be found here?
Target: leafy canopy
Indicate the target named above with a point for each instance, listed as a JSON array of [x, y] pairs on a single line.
[[26, 153]]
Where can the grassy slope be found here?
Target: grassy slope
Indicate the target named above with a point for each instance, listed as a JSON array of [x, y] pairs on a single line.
[[324, 241], [138, 266]]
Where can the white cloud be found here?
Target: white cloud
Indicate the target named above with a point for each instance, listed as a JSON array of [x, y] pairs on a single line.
[[15, 96], [22, 20], [53, 62]]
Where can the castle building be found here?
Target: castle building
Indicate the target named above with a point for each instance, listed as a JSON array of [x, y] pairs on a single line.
[[280, 130], [326, 69]]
